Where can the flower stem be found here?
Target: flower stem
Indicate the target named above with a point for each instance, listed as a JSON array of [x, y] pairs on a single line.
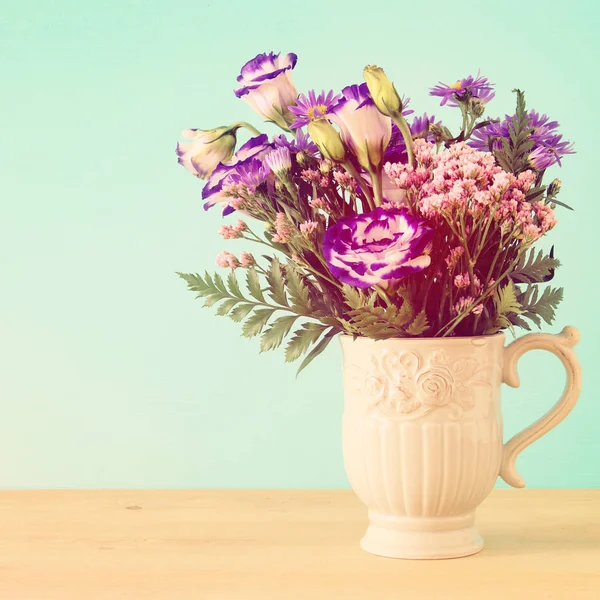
[[376, 179], [407, 135], [363, 185], [249, 127]]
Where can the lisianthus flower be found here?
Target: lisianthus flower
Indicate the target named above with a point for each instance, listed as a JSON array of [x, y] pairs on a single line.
[[548, 148], [206, 149], [266, 84], [469, 87], [363, 128], [376, 247], [255, 148], [312, 107]]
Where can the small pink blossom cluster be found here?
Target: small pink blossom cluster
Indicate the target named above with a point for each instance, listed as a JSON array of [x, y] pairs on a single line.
[[453, 257], [232, 232], [463, 281], [284, 230], [465, 304], [406, 177], [345, 180], [320, 203], [309, 228], [462, 181], [229, 260]]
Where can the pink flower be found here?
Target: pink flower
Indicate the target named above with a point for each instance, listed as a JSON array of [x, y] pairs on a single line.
[[308, 228], [310, 175], [462, 281], [226, 259], [247, 260], [284, 230], [463, 304], [453, 257], [545, 216], [232, 232], [320, 203]]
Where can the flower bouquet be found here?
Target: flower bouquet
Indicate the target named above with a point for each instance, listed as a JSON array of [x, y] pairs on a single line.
[[415, 240]]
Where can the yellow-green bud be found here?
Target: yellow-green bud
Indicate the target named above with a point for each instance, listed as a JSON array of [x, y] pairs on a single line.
[[324, 135], [382, 91]]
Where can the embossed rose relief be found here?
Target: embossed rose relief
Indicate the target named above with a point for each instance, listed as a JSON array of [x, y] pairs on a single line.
[[404, 383]]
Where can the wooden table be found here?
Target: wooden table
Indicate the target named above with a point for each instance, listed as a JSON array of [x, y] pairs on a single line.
[[283, 545]]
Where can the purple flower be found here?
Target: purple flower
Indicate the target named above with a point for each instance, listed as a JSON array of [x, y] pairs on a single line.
[[376, 247], [396, 151], [251, 173], [541, 158], [300, 143], [463, 89], [279, 161], [548, 148], [364, 130], [226, 172], [312, 107], [266, 84]]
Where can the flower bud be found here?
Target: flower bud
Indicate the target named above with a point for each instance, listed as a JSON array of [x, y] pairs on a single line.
[[554, 188], [382, 91], [324, 135], [206, 149], [477, 107]]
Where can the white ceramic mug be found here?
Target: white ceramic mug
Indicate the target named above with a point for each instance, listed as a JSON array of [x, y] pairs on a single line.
[[422, 434]]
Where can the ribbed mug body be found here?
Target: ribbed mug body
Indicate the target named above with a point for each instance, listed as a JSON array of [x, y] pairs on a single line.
[[422, 439]]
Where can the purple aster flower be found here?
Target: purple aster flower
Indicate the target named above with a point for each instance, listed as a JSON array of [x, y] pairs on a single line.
[[212, 193], [266, 84], [279, 161], [375, 247], [363, 129], [312, 107], [251, 172], [300, 143], [469, 87], [544, 135], [541, 158]]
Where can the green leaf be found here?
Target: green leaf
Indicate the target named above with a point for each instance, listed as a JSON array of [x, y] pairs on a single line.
[[559, 203], [353, 296], [537, 307], [234, 286], [195, 283], [226, 306], [273, 336], [534, 268], [420, 324], [297, 289], [253, 283], [318, 349], [220, 284], [254, 324], [302, 339], [276, 283], [239, 313], [505, 300]]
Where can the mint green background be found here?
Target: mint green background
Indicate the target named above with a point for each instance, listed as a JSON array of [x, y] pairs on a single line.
[[111, 375]]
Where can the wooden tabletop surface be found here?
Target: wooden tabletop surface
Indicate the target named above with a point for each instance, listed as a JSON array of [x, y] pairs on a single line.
[[283, 545]]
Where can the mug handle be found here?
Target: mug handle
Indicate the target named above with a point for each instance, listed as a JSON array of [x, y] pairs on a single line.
[[560, 345]]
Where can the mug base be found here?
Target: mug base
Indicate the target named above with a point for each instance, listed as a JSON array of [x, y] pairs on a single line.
[[425, 538]]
